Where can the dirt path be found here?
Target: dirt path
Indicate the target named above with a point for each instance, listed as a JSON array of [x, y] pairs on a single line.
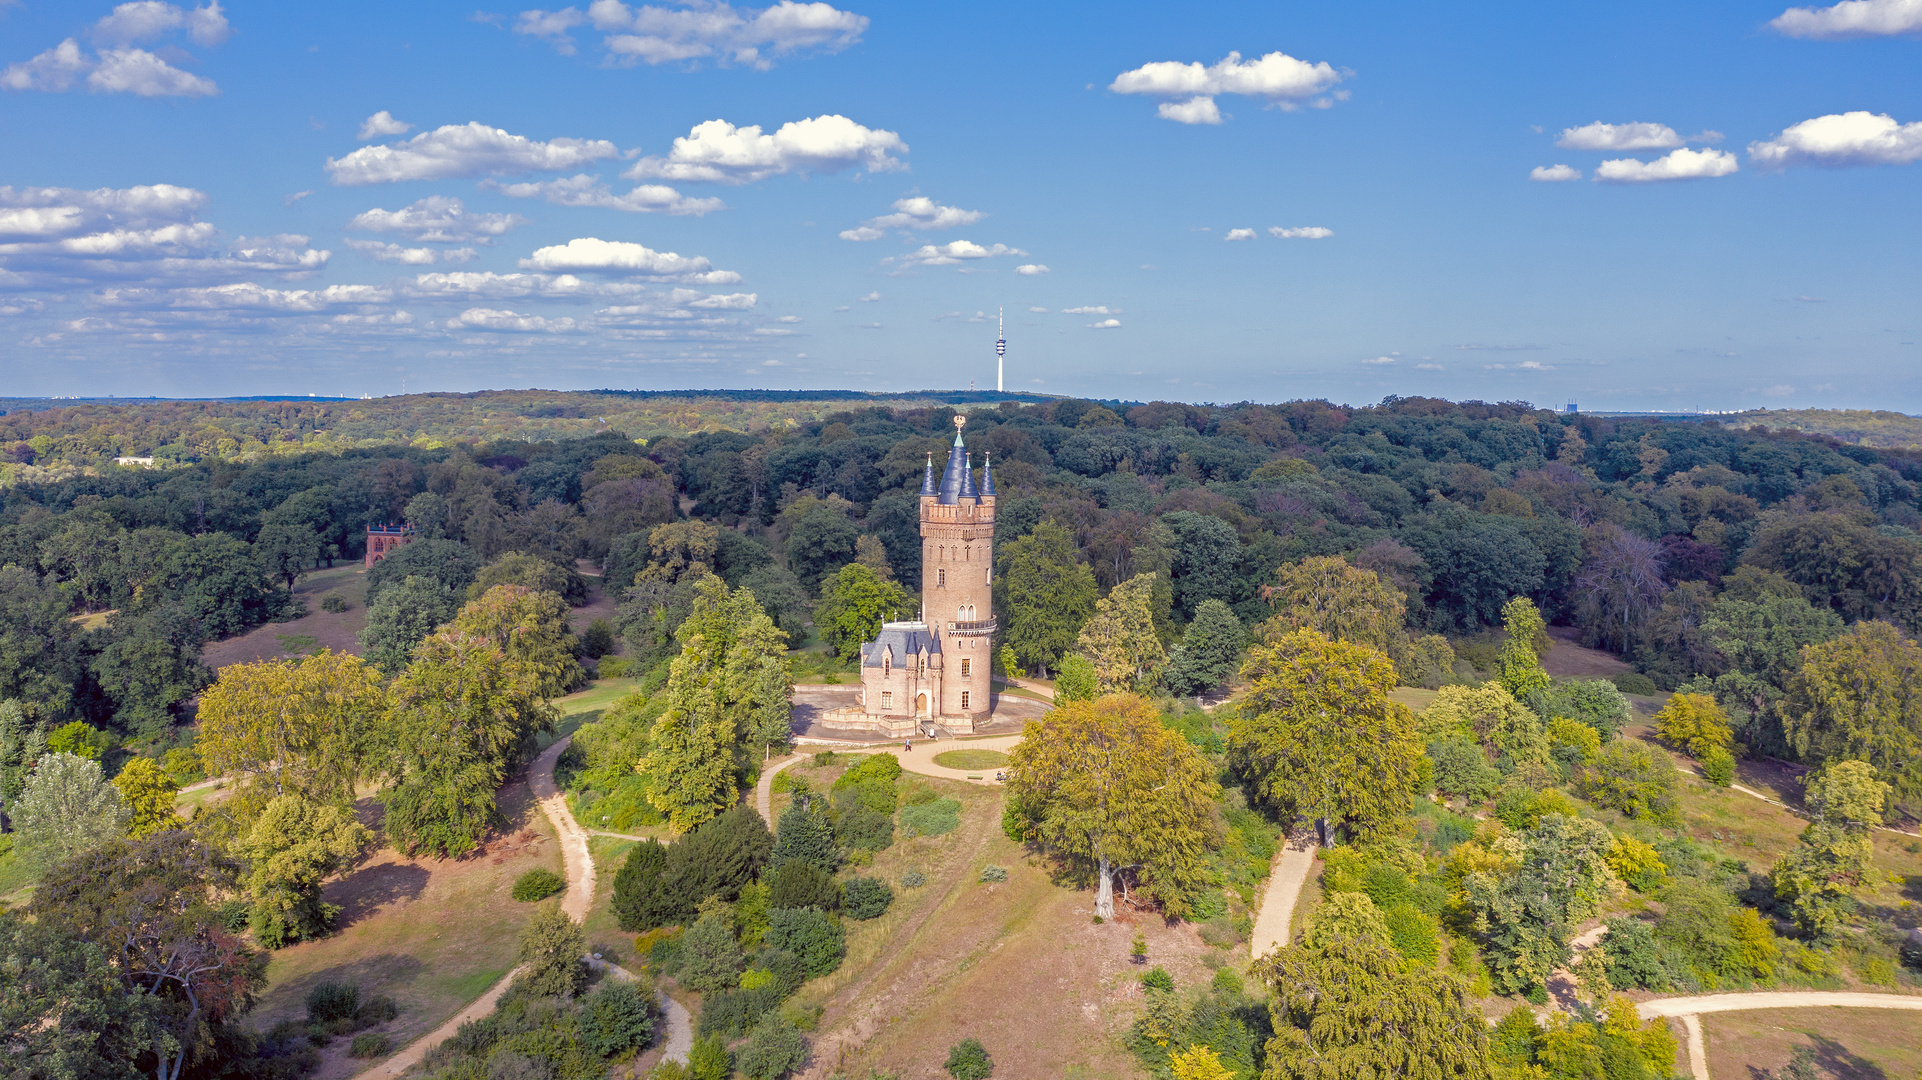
[[579, 864], [764, 791], [1290, 871], [921, 758], [1690, 1009]]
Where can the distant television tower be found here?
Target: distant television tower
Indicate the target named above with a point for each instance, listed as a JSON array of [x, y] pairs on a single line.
[[1000, 348]]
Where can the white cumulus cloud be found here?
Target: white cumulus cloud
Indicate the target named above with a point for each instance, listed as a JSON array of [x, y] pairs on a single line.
[[437, 219], [406, 256], [119, 68], [661, 35], [148, 19], [1096, 309], [950, 254], [870, 298], [1031, 269], [1190, 89], [718, 152], [1105, 324], [1304, 232], [381, 124], [1850, 19], [470, 149], [55, 237], [1240, 234], [496, 319], [1840, 139], [919, 212], [1600, 136], [1683, 164], [589, 254], [585, 190], [1554, 174]]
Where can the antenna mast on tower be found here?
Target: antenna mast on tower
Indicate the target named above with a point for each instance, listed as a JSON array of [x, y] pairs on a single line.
[[1000, 347]]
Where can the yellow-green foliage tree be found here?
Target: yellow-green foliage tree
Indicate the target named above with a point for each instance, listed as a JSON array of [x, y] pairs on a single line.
[[1198, 1063], [1343, 602], [1695, 723], [1860, 696], [294, 846], [464, 717], [1349, 1011], [1318, 734], [530, 629], [1106, 787], [1520, 659], [728, 696], [290, 728], [1836, 852], [1493, 716], [1120, 640], [149, 794]]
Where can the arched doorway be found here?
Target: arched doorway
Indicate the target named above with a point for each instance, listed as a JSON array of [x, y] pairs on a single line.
[[921, 705]]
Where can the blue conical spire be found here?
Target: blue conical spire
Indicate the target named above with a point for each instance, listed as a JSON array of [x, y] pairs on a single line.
[[967, 479], [987, 473], [952, 478], [927, 479]]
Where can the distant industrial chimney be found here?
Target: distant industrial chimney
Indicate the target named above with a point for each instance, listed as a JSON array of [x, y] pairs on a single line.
[[1570, 408]]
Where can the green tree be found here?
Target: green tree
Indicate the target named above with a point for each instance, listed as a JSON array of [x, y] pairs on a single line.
[[1834, 857], [1075, 680], [1120, 639], [553, 953], [540, 573], [21, 744], [150, 667], [1760, 632], [1357, 770], [1348, 1011], [148, 793], [969, 1060], [1106, 787], [290, 727], [64, 1009], [149, 905], [1043, 595], [448, 563], [1209, 652], [728, 696], [1558, 877], [65, 808], [1860, 696], [638, 895], [403, 616], [1633, 777], [774, 1049], [710, 957], [804, 836], [1524, 639], [821, 539], [618, 1017], [287, 549], [780, 594], [530, 629], [1506, 727], [1345, 915], [294, 846], [855, 601], [1695, 723], [1327, 594], [463, 718]]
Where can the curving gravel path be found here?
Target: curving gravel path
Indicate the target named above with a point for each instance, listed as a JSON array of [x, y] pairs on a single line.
[[1689, 1010], [1274, 922]]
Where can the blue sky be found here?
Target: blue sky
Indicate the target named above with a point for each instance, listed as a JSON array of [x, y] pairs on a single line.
[[353, 198]]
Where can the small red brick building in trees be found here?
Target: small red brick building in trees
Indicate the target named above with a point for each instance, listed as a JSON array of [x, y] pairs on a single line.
[[385, 538]]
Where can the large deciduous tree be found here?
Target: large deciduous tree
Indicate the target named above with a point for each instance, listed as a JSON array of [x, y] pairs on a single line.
[[1524, 640], [1620, 587], [1327, 594], [1351, 1011], [464, 717], [66, 807], [148, 793], [855, 601], [1860, 696], [728, 695], [1834, 857], [1120, 640], [530, 629], [1318, 735], [1546, 881], [1105, 786], [403, 617], [63, 1010], [1042, 594], [290, 727], [294, 846]]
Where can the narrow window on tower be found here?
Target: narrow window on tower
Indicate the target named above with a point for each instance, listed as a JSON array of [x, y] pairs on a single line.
[[940, 578], [964, 701], [887, 700], [967, 667], [887, 666]]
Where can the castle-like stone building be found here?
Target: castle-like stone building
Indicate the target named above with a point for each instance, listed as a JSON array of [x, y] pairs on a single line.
[[936, 671], [384, 539]]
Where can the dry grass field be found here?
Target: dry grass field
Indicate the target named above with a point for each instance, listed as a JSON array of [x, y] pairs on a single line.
[[1849, 1044], [316, 630]]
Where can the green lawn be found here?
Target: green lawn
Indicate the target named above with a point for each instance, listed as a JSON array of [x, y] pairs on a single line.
[[971, 759]]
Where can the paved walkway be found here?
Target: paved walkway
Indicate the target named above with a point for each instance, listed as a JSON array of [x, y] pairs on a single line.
[[1690, 1009], [1274, 922], [764, 791]]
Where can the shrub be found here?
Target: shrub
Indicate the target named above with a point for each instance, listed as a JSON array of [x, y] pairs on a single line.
[[969, 1060], [866, 897], [332, 1001], [799, 885], [812, 935], [710, 957], [1520, 808], [1227, 981], [862, 829], [1158, 978], [732, 1013], [1462, 770], [616, 667], [375, 1010], [991, 872], [370, 1044], [708, 1059], [1718, 767], [538, 884], [336, 604], [1635, 682], [235, 915], [913, 879], [552, 948], [805, 836], [639, 900], [1635, 959], [1415, 934], [1631, 777], [615, 1018], [935, 818], [774, 1049], [598, 640]]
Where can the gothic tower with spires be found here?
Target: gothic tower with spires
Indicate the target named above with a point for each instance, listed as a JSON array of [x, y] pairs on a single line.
[[937, 669]]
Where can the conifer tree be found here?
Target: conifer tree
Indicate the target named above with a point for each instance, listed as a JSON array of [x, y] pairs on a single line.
[[806, 837]]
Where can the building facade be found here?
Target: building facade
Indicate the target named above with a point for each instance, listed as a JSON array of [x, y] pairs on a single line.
[[384, 539], [936, 670]]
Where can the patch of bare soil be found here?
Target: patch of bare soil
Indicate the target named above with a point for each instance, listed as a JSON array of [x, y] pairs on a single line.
[[601, 603], [1570, 659], [316, 630]]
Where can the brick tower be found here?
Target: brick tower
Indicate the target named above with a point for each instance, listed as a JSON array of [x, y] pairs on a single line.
[[937, 669]]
